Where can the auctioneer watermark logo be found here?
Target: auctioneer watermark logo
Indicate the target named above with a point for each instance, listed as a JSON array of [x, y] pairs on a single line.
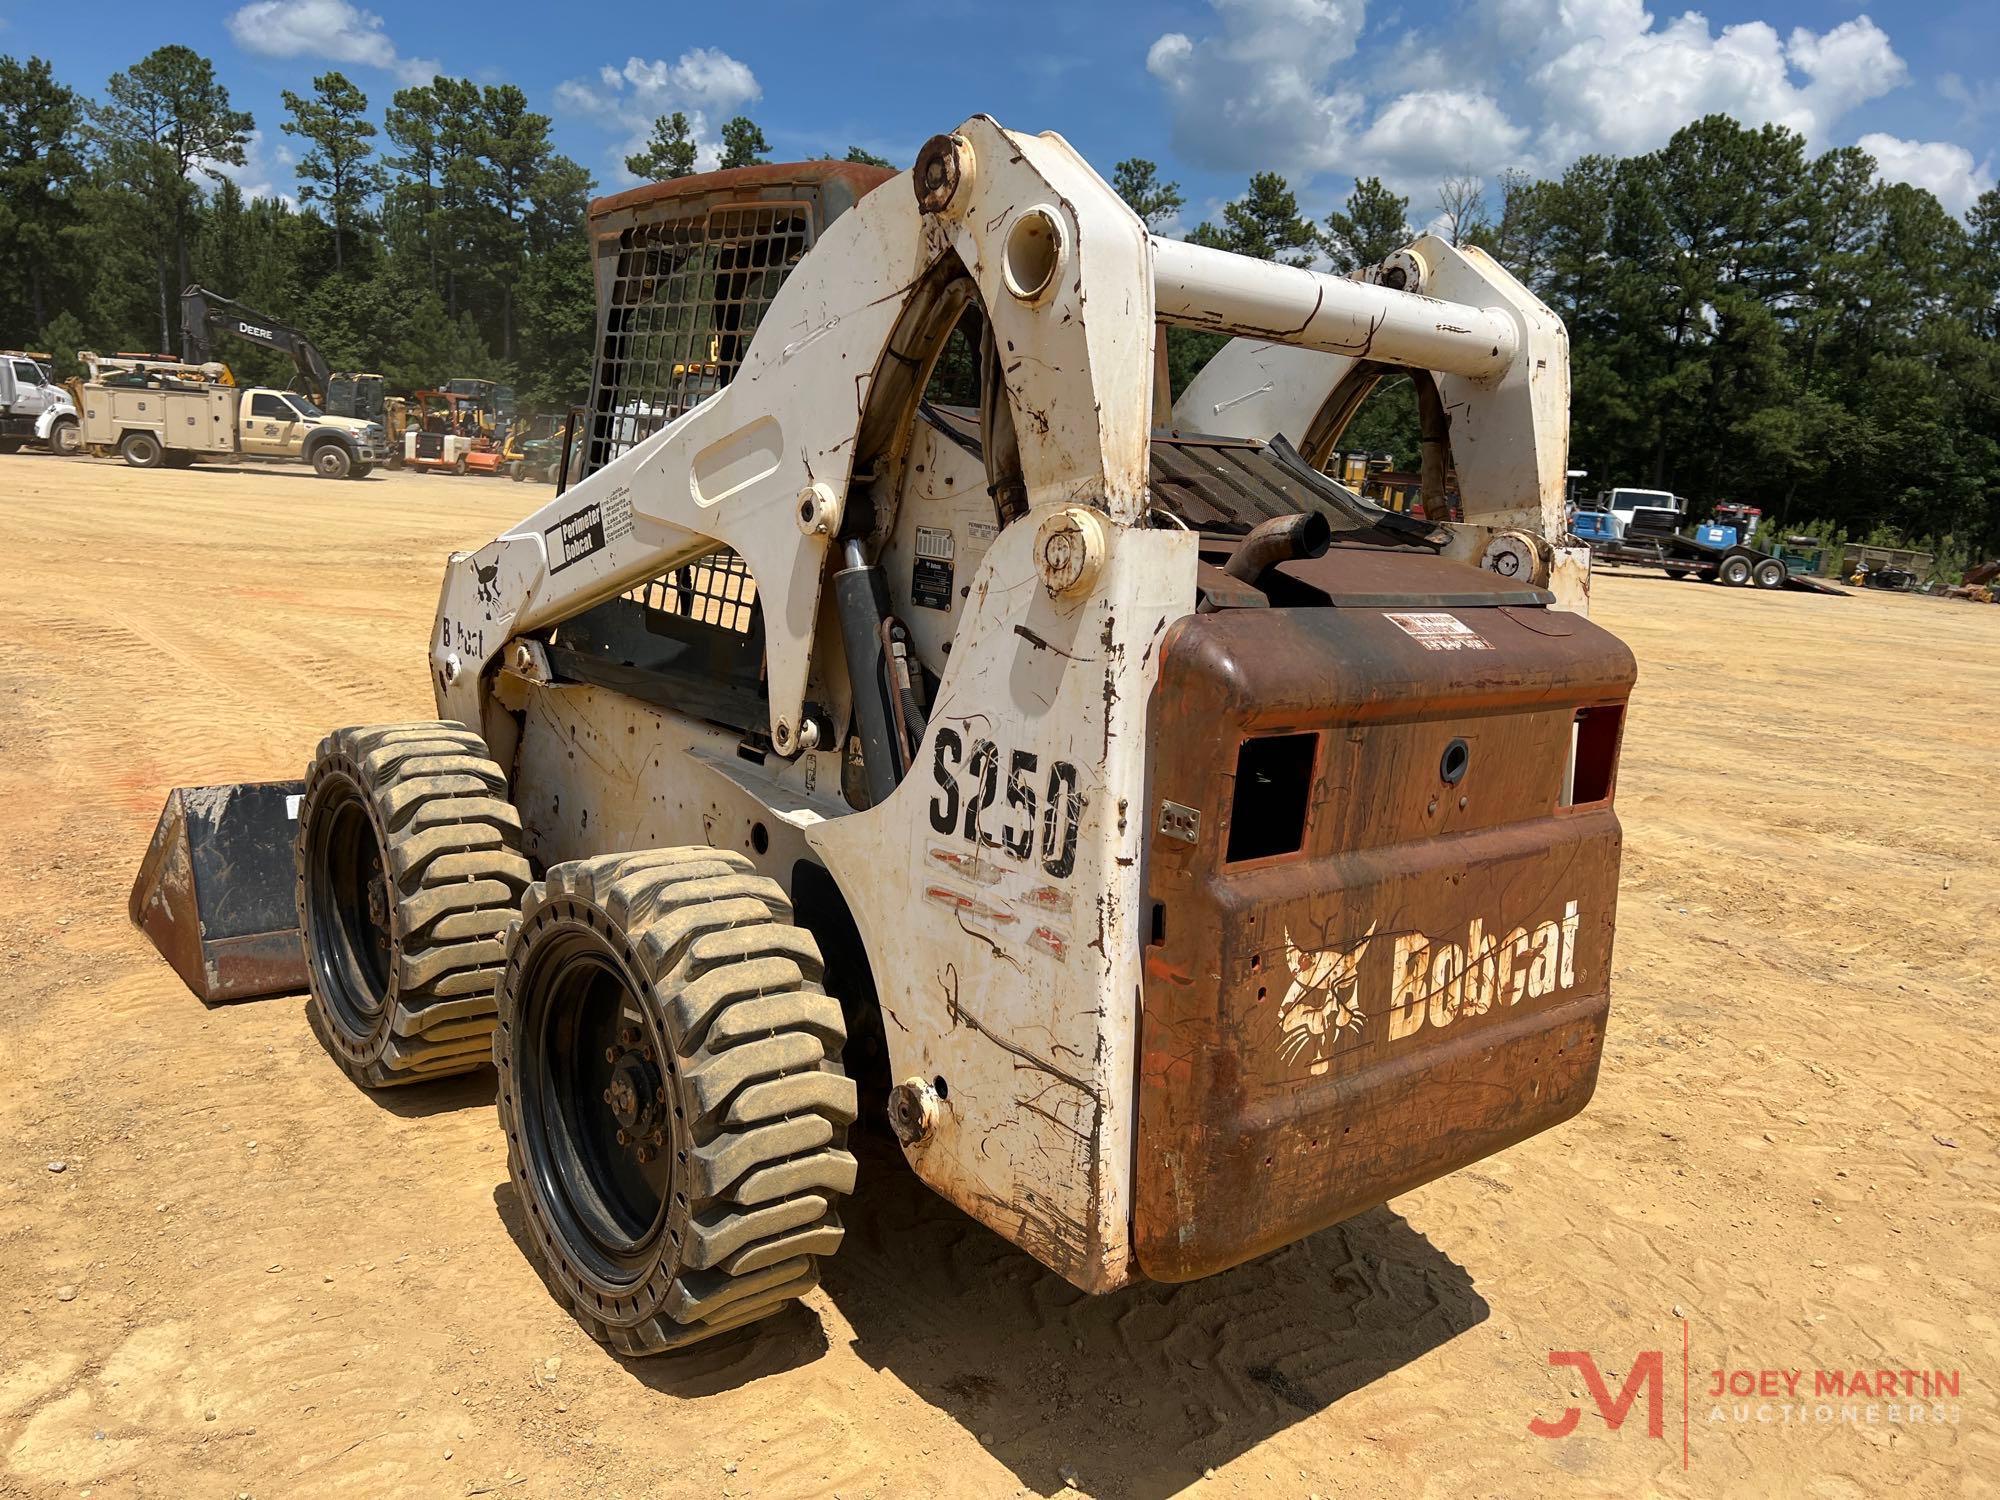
[[1753, 1396]]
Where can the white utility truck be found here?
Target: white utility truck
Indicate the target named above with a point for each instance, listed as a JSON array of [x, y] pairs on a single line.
[[153, 418], [34, 408]]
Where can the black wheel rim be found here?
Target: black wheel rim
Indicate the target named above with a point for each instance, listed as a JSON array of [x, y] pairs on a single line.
[[582, 1038], [349, 938]]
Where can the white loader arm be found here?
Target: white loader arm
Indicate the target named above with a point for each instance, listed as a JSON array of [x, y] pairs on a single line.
[[1499, 359], [763, 466]]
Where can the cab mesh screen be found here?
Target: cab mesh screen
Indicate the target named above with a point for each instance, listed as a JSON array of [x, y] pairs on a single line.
[[687, 295]]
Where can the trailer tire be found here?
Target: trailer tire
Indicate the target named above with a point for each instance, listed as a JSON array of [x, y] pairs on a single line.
[[1676, 571], [141, 450], [1733, 571], [1769, 574], [331, 460], [671, 1091], [409, 871]]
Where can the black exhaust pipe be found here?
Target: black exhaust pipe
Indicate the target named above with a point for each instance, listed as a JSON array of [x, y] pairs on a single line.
[[1277, 540]]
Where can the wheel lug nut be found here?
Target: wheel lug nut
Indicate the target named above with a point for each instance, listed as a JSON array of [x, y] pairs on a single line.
[[611, 1054], [645, 1155], [624, 1139], [607, 1096]]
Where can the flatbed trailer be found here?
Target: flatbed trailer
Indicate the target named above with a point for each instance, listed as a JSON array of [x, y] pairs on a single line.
[[1736, 564]]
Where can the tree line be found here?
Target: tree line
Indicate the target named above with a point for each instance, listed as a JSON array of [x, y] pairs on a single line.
[[1748, 321], [448, 241]]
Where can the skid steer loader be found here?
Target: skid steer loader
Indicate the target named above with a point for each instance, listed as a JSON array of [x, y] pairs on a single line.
[[1182, 852]]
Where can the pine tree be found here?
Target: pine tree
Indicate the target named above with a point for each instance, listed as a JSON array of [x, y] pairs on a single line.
[[670, 150], [1264, 222], [1137, 181], [462, 188], [166, 121], [337, 170], [40, 162], [1374, 222], [412, 204], [515, 151], [742, 141]]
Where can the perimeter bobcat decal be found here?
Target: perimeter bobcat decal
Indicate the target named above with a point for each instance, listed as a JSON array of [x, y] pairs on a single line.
[[1324, 999]]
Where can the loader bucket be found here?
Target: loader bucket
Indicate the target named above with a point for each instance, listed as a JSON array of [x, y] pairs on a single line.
[[215, 891]]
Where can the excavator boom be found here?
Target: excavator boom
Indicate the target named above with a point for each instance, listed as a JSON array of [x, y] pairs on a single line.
[[205, 313]]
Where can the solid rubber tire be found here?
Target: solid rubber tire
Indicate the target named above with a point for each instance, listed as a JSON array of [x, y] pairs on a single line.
[[729, 991], [437, 806]]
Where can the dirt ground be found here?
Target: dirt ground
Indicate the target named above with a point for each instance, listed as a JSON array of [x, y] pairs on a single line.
[[249, 1278]]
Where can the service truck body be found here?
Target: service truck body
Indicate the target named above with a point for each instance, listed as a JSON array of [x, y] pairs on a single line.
[[153, 419]]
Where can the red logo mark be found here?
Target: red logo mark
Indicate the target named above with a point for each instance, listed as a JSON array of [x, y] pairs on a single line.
[[1647, 1375]]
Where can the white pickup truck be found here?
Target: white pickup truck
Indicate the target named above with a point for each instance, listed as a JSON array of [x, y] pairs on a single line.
[[33, 407], [154, 419]]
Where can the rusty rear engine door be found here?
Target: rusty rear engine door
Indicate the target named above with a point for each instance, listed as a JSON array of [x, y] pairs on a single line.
[[1383, 872]]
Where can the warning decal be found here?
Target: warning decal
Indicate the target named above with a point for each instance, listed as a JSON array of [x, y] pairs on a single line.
[[931, 570], [1439, 632]]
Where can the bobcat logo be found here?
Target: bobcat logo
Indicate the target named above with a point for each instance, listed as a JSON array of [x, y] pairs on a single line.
[[1323, 1001]]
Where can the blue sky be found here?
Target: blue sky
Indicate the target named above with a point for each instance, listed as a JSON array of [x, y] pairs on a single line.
[[1320, 89]]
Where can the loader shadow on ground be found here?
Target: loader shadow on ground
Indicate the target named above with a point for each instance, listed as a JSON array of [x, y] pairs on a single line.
[[1134, 1393], [782, 1342], [422, 1101], [1137, 1392], [447, 1096]]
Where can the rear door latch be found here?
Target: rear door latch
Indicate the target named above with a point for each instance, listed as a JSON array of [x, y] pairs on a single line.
[[1178, 821]]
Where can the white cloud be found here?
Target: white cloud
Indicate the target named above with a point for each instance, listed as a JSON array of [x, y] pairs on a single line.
[[1256, 94], [332, 30], [1304, 86], [1946, 170], [1432, 133], [1612, 78], [704, 83]]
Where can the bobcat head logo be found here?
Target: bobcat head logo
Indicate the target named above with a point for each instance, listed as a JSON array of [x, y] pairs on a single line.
[[1323, 1001]]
